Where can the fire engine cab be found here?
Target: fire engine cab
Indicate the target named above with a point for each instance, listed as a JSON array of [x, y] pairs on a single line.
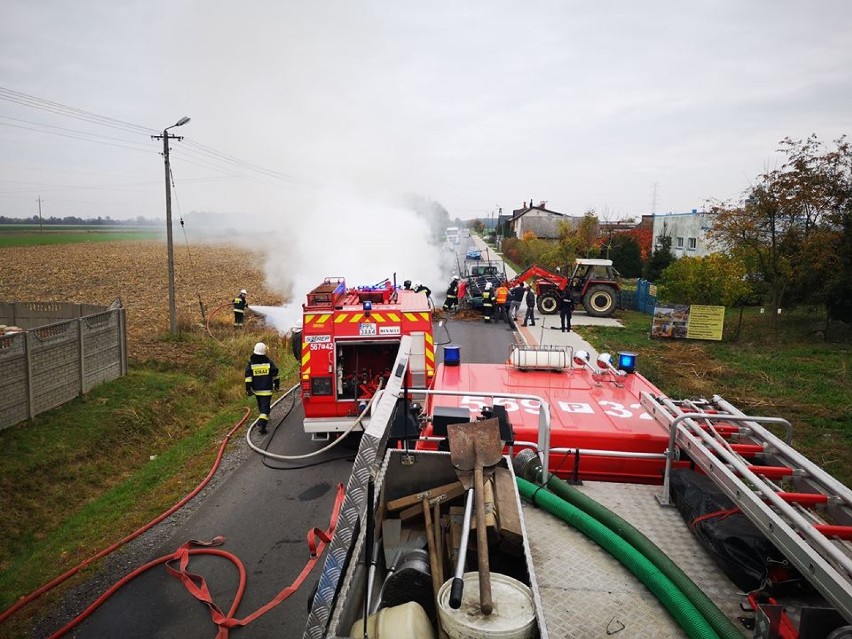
[[348, 343]]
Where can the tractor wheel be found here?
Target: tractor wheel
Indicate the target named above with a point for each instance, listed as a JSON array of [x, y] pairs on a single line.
[[600, 301], [548, 303]]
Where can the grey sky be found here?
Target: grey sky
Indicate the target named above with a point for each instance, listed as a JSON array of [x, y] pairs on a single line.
[[474, 104]]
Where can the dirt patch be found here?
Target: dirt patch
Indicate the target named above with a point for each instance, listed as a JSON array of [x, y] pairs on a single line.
[[137, 273]]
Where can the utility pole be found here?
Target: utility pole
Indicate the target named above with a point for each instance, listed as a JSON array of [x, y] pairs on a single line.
[[40, 227], [170, 247]]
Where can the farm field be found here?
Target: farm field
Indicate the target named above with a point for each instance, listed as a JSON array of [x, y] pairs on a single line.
[[135, 271], [32, 235]]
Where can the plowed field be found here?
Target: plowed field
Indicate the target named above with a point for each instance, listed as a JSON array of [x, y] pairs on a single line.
[[137, 273]]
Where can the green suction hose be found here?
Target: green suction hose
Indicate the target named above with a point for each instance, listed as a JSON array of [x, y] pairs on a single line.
[[685, 614], [529, 466]]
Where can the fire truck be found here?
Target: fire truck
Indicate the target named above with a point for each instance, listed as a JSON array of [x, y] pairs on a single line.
[[347, 346]]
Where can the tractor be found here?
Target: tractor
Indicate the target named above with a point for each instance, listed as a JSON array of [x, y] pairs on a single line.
[[593, 283]]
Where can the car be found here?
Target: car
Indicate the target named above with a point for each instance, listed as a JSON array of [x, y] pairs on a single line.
[[473, 254]]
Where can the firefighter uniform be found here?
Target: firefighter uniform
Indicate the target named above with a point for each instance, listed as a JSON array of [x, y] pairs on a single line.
[[240, 306], [261, 381], [452, 294], [487, 304]]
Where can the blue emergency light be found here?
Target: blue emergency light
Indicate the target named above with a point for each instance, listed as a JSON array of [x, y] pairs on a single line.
[[367, 306], [627, 361], [452, 355]]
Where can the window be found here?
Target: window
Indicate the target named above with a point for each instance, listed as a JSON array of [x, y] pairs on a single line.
[[679, 243], [692, 243]]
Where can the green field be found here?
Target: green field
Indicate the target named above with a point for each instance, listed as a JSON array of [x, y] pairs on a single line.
[[31, 235]]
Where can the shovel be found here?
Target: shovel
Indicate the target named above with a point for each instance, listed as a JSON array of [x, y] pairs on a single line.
[[475, 448]]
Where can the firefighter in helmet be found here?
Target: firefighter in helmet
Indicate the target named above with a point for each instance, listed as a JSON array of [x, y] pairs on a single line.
[[487, 302], [452, 294], [240, 306], [422, 288], [261, 381]]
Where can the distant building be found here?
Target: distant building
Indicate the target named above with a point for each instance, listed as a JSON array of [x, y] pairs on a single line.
[[539, 220], [688, 232]]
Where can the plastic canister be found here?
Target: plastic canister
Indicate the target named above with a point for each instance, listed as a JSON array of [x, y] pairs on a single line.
[[406, 620], [452, 355], [513, 616]]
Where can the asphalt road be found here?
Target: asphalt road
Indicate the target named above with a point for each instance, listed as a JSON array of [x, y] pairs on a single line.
[[264, 514]]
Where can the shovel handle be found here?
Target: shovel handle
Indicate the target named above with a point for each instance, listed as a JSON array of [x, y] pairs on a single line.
[[485, 603], [457, 589]]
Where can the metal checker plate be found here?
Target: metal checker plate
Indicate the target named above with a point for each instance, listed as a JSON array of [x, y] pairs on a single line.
[[587, 594]]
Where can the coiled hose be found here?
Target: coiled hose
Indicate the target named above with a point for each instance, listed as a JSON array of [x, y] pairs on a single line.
[[684, 613], [529, 467]]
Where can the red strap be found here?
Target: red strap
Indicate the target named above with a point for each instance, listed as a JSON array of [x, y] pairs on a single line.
[[720, 514], [317, 541]]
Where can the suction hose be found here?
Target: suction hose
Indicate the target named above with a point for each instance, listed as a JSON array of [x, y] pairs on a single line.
[[684, 613], [528, 465]]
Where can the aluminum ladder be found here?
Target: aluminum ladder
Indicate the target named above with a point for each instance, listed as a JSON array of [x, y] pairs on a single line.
[[786, 495]]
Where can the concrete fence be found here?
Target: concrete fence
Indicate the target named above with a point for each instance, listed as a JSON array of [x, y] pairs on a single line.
[[65, 351]]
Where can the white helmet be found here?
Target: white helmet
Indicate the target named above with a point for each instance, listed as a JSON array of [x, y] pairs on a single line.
[[260, 348], [416, 284], [488, 286], [243, 291], [455, 277]]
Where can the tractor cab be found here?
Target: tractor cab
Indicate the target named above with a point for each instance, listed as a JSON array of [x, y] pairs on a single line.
[[587, 271], [594, 284]]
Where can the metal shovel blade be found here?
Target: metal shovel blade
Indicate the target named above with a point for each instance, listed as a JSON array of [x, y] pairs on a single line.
[[472, 444], [475, 448]]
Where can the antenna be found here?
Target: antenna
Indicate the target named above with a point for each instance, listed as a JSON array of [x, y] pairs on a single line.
[[654, 198]]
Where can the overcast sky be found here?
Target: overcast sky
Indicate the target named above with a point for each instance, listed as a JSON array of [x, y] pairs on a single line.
[[473, 104]]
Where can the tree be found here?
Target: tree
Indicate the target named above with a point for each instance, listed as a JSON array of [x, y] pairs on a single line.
[[588, 235], [626, 255], [716, 279], [789, 228], [660, 258]]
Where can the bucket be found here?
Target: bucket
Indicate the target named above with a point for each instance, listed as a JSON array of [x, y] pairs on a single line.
[[452, 356], [513, 616], [408, 620]]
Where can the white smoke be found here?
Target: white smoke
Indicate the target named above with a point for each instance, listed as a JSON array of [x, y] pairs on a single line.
[[340, 232]]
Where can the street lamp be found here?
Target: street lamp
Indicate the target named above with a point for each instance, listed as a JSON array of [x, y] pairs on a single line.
[[171, 253]]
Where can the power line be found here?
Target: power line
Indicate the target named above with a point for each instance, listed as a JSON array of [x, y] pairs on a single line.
[[77, 137], [24, 99], [202, 155]]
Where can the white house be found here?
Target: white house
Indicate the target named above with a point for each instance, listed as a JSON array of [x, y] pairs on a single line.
[[541, 221], [688, 232]]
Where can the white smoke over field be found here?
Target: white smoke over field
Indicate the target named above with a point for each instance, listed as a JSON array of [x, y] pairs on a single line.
[[339, 232]]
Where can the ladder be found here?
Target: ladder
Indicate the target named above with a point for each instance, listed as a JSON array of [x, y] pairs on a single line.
[[783, 493]]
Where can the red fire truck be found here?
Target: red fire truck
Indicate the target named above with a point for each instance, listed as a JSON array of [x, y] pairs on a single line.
[[347, 346]]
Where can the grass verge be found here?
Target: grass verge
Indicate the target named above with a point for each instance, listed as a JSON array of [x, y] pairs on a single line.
[[790, 373], [84, 475]]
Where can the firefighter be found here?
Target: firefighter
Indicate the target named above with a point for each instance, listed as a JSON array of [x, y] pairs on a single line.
[[452, 294], [529, 318], [261, 381], [487, 303], [566, 309], [407, 285], [240, 306], [501, 299], [422, 288]]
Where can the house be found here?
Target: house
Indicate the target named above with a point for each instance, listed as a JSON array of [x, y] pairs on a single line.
[[538, 220], [688, 232]]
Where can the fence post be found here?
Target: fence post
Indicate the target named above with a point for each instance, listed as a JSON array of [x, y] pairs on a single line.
[[122, 339], [29, 378], [81, 353]]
